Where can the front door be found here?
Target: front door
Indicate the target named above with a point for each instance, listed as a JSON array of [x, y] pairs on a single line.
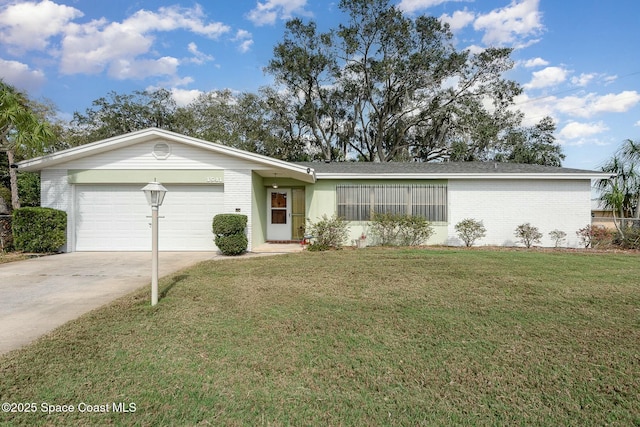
[[279, 214]]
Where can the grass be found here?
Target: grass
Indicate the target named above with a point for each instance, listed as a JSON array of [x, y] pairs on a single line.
[[6, 257], [369, 337]]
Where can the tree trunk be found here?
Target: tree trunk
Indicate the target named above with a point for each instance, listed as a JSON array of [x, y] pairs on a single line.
[[13, 178], [4, 208]]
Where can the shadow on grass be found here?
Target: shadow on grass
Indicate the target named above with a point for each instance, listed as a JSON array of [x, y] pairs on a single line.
[[175, 280]]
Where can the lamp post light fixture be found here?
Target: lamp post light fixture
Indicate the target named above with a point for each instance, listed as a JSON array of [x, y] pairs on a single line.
[[154, 192]]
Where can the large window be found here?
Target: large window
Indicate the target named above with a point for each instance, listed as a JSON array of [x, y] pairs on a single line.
[[360, 202]]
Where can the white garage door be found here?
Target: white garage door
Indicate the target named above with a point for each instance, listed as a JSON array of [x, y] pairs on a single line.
[[118, 218]]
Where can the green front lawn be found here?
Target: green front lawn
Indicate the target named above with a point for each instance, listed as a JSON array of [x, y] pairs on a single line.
[[355, 337]]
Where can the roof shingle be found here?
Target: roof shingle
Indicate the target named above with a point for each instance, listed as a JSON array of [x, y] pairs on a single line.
[[437, 168]]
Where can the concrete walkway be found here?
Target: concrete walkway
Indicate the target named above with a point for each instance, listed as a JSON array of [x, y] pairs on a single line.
[[40, 294]]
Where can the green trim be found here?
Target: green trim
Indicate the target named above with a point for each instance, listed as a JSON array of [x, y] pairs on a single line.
[[143, 176]]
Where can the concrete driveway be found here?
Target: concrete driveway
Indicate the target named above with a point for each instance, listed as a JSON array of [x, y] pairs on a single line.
[[40, 294]]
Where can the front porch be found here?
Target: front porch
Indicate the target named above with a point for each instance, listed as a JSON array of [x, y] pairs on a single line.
[[282, 247]]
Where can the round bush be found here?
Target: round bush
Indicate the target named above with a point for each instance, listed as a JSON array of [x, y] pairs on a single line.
[[227, 224], [234, 244]]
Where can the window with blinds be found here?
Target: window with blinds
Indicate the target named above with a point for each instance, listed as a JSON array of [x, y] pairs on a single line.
[[360, 202]]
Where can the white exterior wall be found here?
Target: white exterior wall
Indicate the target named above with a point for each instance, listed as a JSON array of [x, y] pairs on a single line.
[[237, 196], [56, 193], [502, 205], [140, 156]]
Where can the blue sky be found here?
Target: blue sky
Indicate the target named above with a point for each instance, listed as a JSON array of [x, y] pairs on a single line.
[[577, 60]]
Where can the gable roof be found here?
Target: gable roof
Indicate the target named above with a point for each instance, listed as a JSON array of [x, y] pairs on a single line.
[[297, 171], [447, 170], [309, 171]]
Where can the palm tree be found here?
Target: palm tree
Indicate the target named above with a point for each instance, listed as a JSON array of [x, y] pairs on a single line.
[[621, 192], [20, 130], [630, 152]]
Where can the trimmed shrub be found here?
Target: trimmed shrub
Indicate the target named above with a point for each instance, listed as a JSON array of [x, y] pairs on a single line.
[[527, 234], [469, 230], [39, 230], [233, 244], [229, 230], [227, 224], [328, 233], [29, 189], [6, 238], [398, 229]]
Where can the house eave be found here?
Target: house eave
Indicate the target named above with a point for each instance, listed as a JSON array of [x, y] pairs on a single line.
[[494, 176]]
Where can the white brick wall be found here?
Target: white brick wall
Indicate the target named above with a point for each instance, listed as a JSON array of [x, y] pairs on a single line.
[[237, 195], [503, 205]]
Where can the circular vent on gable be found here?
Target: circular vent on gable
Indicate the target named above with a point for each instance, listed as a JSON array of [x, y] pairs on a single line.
[[161, 150]]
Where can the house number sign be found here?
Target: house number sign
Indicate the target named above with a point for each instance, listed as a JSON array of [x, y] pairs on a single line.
[[214, 180]]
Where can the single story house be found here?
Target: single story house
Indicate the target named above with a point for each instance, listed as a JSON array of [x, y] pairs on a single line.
[[99, 186]]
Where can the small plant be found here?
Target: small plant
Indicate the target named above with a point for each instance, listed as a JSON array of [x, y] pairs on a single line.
[[527, 234], [230, 235], [558, 237], [593, 235], [398, 229], [469, 230], [328, 232], [629, 240], [413, 230], [385, 228]]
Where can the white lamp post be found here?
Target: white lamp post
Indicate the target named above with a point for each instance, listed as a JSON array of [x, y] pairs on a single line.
[[154, 192]]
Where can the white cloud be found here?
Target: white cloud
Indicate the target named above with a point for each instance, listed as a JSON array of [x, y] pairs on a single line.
[[593, 104], [535, 62], [512, 24], [458, 20], [198, 57], [20, 75], [122, 69], [173, 18], [574, 130], [118, 46], [30, 25], [411, 6], [583, 79], [584, 106], [245, 40], [268, 12], [546, 77], [475, 49], [534, 109], [616, 103], [184, 97], [637, 123]]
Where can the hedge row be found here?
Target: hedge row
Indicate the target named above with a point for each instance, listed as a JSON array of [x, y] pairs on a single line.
[[39, 230]]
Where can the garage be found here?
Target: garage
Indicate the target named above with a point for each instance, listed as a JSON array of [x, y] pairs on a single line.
[[117, 218]]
